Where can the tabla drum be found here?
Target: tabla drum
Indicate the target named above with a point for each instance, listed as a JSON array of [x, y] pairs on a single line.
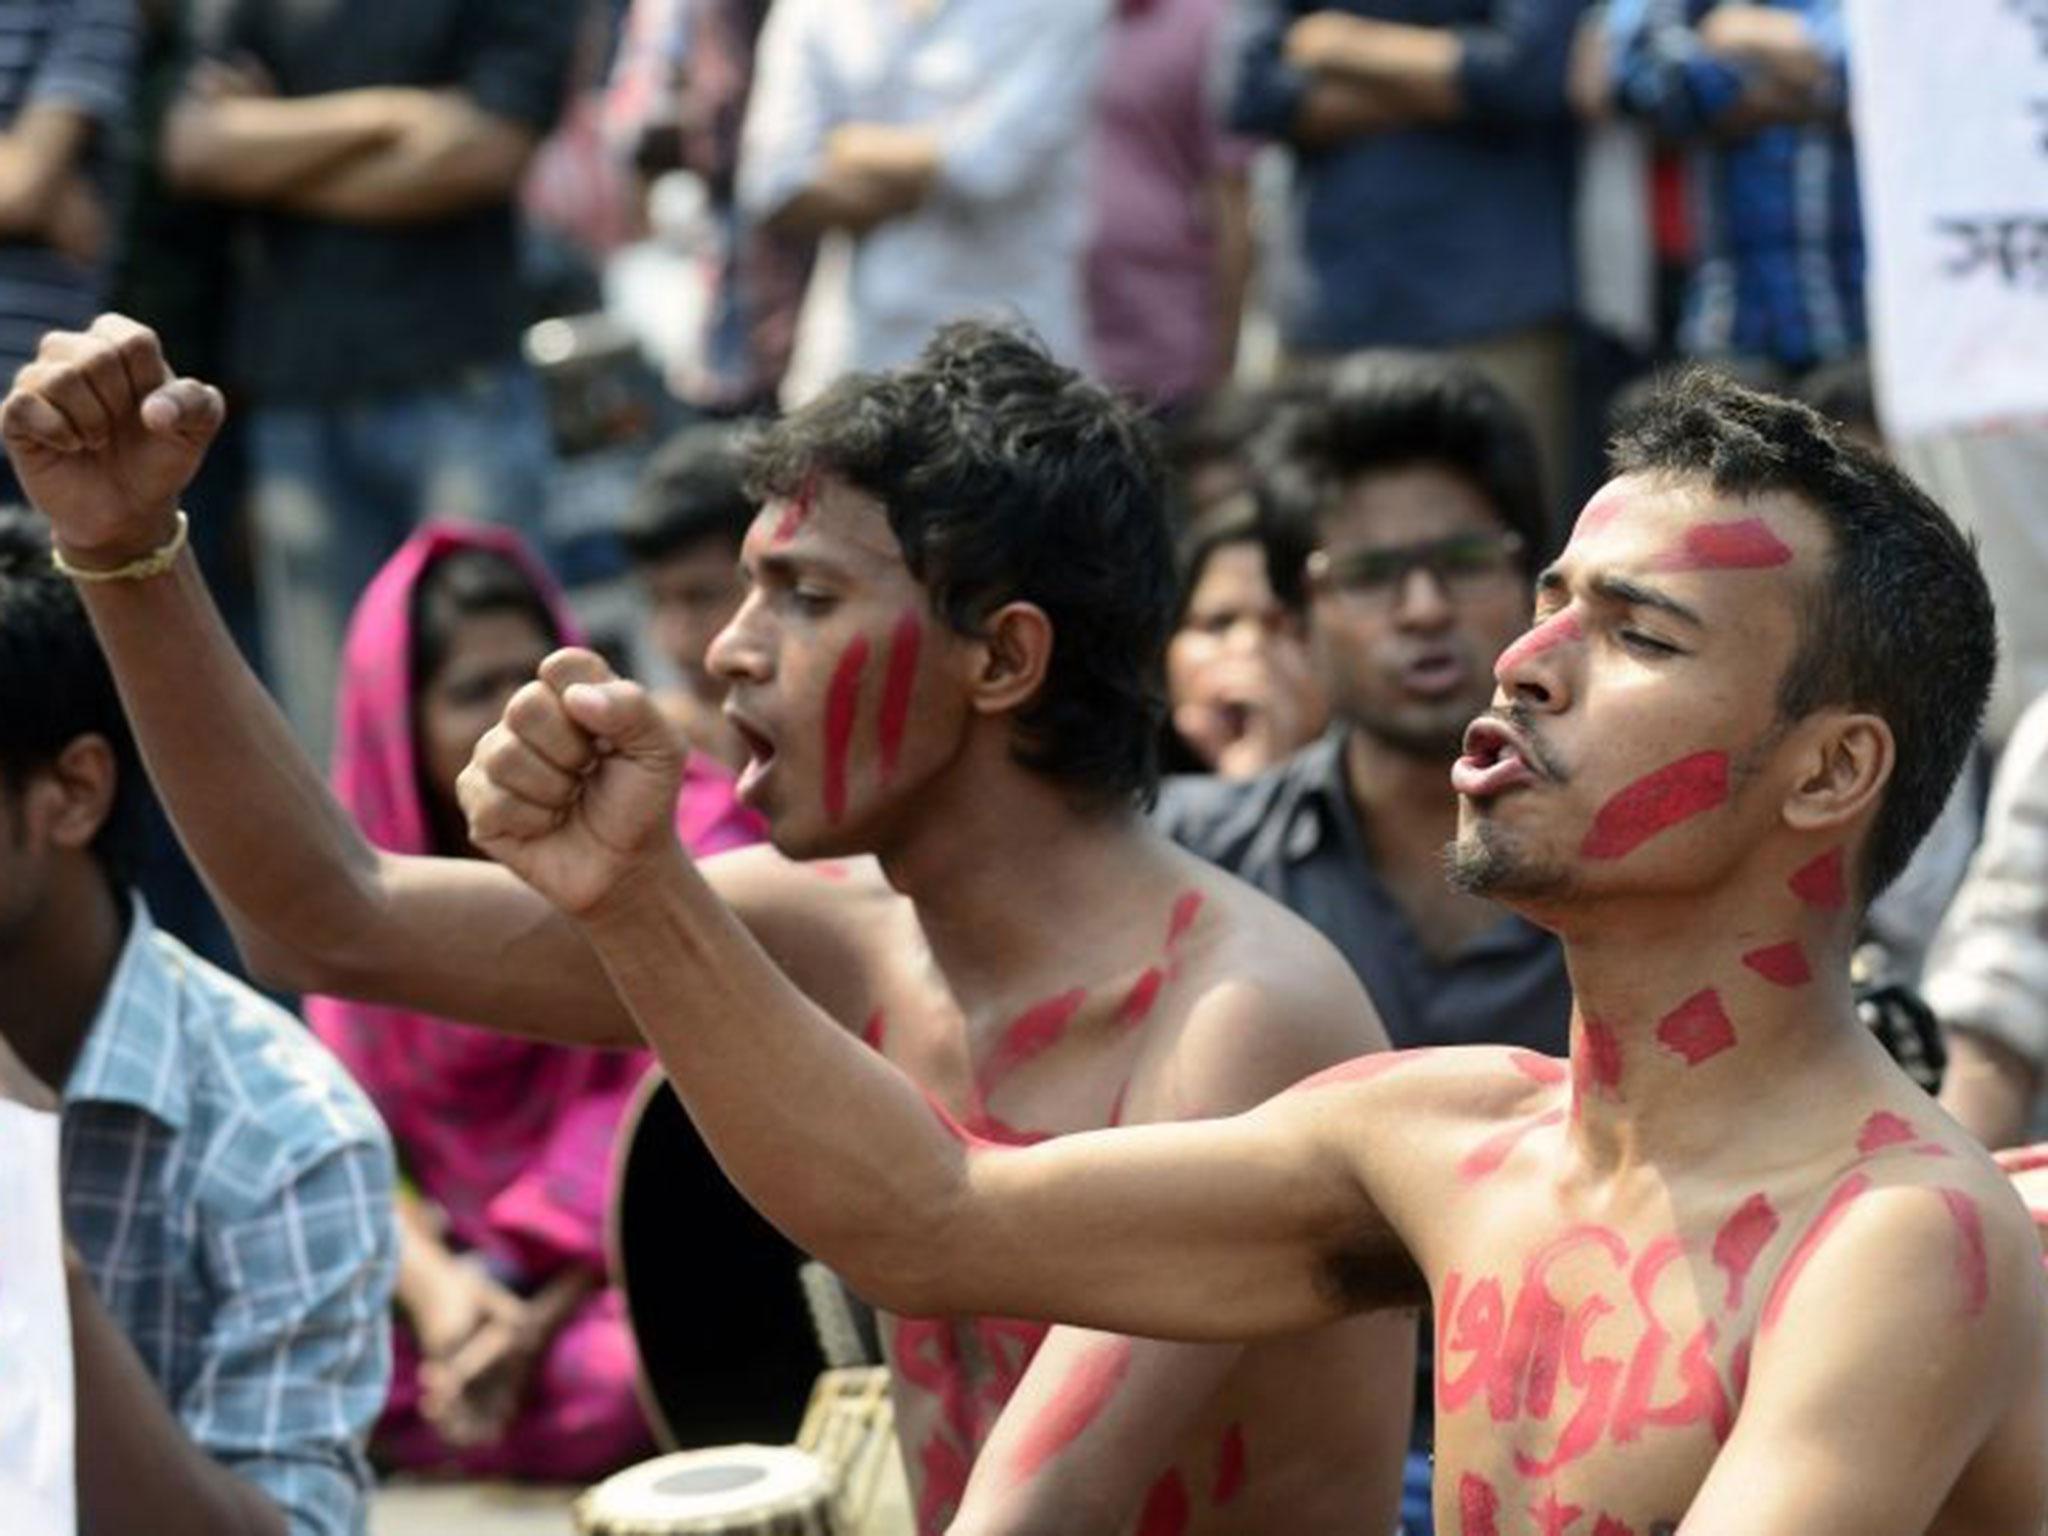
[[729, 1490], [850, 1427], [726, 1350]]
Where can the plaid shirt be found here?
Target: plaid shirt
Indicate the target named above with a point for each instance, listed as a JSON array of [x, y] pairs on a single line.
[[230, 1191]]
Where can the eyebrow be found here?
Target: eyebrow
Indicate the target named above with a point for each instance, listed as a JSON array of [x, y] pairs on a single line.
[[1619, 589]]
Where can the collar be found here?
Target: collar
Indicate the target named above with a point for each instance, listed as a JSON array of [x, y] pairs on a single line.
[[1322, 806], [131, 1053]]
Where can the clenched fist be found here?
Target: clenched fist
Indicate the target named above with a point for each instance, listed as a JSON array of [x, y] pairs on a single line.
[[105, 438], [576, 787]]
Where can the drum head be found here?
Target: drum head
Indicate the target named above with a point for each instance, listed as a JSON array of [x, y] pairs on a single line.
[[728, 1488], [726, 1348]]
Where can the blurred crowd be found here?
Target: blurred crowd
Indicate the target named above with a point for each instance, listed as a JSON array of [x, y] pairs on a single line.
[[494, 285]]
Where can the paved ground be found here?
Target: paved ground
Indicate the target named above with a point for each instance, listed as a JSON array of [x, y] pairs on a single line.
[[471, 1509]]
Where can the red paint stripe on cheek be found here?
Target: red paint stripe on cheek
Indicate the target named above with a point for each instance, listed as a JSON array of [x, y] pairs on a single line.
[[1846, 1194], [1166, 1511], [1698, 1029], [1547, 636], [1973, 1264], [1782, 965], [1741, 1239], [1229, 1467], [1478, 1507], [1077, 1403], [1822, 883], [1657, 802], [904, 642], [842, 703], [1748, 545]]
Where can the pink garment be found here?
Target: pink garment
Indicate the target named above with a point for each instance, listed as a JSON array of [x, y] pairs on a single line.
[[511, 1139]]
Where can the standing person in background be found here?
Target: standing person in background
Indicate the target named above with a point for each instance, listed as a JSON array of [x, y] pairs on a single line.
[[949, 140], [377, 150], [1433, 153], [1170, 252], [1758, 92]]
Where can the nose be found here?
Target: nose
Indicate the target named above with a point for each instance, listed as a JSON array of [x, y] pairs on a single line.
[[1534, 669], [739, 652], [1423, 600]]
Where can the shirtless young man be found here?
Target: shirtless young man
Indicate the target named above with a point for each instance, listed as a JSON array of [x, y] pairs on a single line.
[[963, 687], [1727, 1274]]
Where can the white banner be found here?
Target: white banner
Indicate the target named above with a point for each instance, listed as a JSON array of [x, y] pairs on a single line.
[[38, 1490], [1949, 102]]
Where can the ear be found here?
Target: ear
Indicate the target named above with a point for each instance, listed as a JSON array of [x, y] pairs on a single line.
[[1015, 650], [75, 794], [1845, 763]]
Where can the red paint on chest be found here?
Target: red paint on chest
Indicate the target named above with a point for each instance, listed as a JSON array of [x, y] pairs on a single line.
[[1077, 1403], [875, 1031], [1488, 1156], [795, 511], [1547, 636], [1741, 1239], [1554, 1518], [897, 683], [1166, 1511], [1478, 1507], [1782, 965], [1229, 1480], [842, 704], [1884, 1129], [1822, 883], [1140, 1000], [1186, 909], [945, 1467], [1031, 1034], [1657, 802], [1698, 1029], [1607, 1525], [1973, 1265], [1747, 545], [1845, 1194]]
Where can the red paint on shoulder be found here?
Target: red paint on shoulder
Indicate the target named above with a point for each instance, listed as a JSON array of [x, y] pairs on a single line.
[[842, 703], [904, 642], [1884, 1129], [1562, 629], [1657, 802], [1538, 1068], [1229, 1467], [1487, 1157], [1185, 910], [1822, 883], [1845, 1194], [1031, 1034], [1140, 1000], [1741, 1239], [1747, 545], [1166, 1511], [876, 1030], [1554, 1518], [1360, 1069], [1782, 965], [1478, 1507], [1973, 1264], [952, 1127], [1074, 1405], [1698, 1029]]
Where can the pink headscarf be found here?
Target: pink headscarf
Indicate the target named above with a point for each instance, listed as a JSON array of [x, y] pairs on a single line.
[[511, 1138]]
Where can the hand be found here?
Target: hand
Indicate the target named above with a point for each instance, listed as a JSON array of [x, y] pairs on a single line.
[[892, 152], [472, 1393], [104, 439], [1776, 40], [1320, 39], [238, 78], [448, 1310], [575, 788], [20, 1086]]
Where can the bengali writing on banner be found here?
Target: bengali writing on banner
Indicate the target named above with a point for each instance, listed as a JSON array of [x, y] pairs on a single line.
[[37, 1484], [1949, 102]]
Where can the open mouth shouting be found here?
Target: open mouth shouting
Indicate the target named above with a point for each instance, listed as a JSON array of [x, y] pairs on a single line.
[[1497, 759]]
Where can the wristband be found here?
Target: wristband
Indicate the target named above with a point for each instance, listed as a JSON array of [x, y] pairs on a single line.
[[155, 563]]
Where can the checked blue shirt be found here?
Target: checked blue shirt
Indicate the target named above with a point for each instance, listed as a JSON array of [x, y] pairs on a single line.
[[230, 1191]]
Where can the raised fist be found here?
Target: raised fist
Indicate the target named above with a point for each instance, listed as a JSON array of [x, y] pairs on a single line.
[[104, 438], [576, 786]]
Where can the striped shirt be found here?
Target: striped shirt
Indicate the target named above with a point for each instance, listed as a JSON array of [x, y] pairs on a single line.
[[78, 54], [230, 1192], [1778, 267]]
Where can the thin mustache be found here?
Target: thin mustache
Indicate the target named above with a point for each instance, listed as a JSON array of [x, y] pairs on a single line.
[[1518, 715]]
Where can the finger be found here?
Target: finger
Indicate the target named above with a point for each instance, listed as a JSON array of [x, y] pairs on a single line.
[[497, 817], [517, 769], [65, 385], [536, 718], [185, 408], [623, 714], [106, 375], [573, 665], [30, 421], [141, 355]]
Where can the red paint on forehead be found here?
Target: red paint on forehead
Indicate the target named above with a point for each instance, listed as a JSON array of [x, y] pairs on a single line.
[[1478, 1507], [795, 511], [1973, 1265], [1741, 1239], [1748, 545], [1229, 1467], [1657, 802], [1547, 636], [1166, 1511], [1488, 1156], [1884, 1129], [1698, 1029], [904, 642], [1032, 1033], [1845, 1194], [842, 703], [1822, 883], [1601, 511], [1076, 1403], [1782, 965]]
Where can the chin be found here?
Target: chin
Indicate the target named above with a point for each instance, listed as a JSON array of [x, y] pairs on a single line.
[[1487, 860]]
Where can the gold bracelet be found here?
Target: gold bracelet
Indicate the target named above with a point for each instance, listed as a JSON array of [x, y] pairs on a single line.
[[155, 563]]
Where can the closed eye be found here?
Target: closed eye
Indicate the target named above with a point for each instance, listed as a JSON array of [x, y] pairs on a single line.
[[1648, 645]]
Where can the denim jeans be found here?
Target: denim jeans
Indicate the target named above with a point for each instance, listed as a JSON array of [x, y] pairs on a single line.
[[337, 488]]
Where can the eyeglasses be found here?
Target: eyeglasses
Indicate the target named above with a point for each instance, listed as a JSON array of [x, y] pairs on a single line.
[[1461, 563]]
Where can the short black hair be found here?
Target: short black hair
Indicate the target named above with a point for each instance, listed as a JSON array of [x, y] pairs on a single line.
[[1009, 477], [1901, 625], [1388, 409], [55, 687], [459, 585], [691, 490]]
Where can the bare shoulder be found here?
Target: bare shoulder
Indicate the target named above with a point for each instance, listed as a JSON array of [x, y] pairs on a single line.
[[825, 923]]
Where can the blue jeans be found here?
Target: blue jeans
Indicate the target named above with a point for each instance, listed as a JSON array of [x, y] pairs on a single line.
[[337, 488]]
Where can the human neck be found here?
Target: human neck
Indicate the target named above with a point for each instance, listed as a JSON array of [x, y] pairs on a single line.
[[55, 969], [1400, 793]]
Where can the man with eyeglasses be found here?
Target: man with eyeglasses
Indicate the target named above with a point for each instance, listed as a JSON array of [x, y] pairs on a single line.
[[1404, 516]]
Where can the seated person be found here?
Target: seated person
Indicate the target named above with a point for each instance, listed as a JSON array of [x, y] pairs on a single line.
[[226, 1189], [515, 1358]]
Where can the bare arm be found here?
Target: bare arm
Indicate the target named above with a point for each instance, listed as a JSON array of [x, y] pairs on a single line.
[[1230, 197], [258, 148], [1378, 69], [1989, 1087], [37, 159], [448, 156], [871, 173]]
